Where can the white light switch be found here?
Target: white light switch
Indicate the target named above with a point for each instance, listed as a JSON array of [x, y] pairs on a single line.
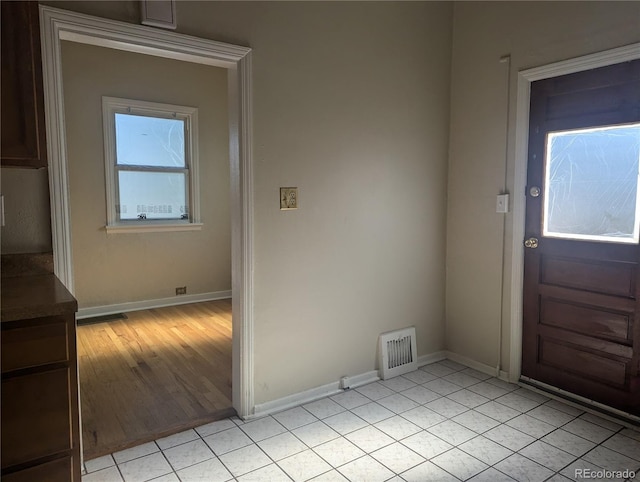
[[502, 203]]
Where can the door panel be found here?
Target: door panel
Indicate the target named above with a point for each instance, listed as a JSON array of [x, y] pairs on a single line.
[[612, 277], [586, 320], [582, 281], [579, 361]]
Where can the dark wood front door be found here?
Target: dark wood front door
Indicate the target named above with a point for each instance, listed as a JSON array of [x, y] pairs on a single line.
[[581, 327]]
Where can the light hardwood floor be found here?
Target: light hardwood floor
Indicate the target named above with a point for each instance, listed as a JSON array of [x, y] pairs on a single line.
[[156, 373]]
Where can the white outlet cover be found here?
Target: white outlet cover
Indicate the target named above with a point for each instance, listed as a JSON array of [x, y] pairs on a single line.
[[502, 203]]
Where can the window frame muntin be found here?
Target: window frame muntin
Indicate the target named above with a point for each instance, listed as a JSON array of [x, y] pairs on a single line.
[[113, 105]]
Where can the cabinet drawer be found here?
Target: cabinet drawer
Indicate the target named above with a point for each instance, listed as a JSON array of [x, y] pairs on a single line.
[[59, 470], [35, 416], [35, 345]]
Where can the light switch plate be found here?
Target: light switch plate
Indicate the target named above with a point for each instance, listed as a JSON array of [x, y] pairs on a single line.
[[288, 198]]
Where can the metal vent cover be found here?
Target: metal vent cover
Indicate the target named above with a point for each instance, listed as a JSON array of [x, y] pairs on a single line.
[[398, 353]]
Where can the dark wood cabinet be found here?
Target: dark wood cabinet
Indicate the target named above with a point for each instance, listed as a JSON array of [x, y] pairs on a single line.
[[60, 470], [23, 126], [39, 410]]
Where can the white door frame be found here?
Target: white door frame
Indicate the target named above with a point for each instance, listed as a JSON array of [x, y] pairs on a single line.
[[57, 25], [525, 78]]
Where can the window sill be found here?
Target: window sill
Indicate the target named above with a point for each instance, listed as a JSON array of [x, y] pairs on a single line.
[[152, 227]]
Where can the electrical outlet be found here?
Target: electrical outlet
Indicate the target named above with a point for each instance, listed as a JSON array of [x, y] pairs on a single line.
[[181, 290], [288, 198]]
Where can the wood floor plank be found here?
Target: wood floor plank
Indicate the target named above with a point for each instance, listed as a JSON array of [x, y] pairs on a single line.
[[157, 372]]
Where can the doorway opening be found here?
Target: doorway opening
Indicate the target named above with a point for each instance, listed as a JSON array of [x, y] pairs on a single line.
[[60, 25], [164, 243]]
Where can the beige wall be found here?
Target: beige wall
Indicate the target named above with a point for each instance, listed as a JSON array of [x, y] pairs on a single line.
[[27, 226], [534, 34], [126, 267], [351, 105]]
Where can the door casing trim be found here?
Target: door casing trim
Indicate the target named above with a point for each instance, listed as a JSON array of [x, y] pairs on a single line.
[[525, 78], [57, 25]]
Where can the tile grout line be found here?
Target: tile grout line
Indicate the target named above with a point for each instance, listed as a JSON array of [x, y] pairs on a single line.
[[477, 434], [401, 414]]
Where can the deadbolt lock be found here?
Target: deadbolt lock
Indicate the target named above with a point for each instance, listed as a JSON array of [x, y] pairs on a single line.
[[531, 243], [534, 191]]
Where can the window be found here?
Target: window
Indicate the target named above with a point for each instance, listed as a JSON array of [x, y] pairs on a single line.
[[592, 178], [151, 166]]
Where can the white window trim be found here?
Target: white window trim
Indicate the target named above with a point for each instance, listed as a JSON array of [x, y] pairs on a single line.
[[113, 105]]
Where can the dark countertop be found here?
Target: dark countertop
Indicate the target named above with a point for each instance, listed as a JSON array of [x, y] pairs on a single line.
[[26, 297], [27, 264]]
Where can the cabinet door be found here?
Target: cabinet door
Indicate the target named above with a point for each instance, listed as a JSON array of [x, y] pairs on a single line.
[[23, 130], [35, 416]]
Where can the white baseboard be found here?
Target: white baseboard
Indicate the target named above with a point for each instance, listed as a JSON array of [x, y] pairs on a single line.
[[364, 378], [311, 395], [355, 381], [481, 367], [295, 400], [330, 389], [431, 358], [505, 376], [149, 304]]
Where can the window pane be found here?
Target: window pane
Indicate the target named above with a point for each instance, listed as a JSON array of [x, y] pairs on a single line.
[[155, 195], [149, 141], [591, 188]]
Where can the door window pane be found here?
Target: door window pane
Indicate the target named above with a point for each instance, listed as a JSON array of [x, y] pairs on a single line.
[[591, 184], [152, 195], [149, 141]]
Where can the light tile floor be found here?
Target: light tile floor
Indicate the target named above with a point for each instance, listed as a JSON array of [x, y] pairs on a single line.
[[444, 422]]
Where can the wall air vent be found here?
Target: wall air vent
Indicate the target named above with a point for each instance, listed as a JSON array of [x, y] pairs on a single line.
[[398, 353]]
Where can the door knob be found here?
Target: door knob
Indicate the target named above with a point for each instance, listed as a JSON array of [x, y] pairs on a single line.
[[531, 243]]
